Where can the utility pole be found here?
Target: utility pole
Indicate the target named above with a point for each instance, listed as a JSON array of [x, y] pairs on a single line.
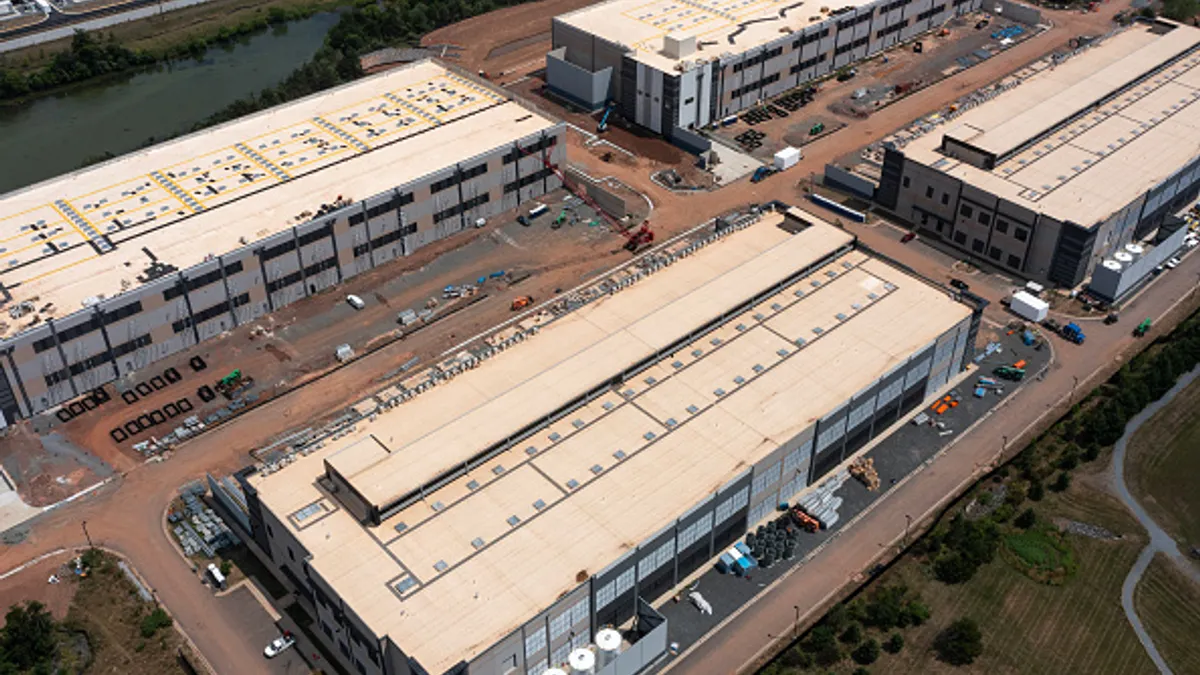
[[907, 526], [796, 626], [87, 536]]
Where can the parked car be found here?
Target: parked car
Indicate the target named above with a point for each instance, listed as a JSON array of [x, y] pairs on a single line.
[[959, 284], [523, 220], [355, 301], [279, 645], [1172, 263], [909, 236]]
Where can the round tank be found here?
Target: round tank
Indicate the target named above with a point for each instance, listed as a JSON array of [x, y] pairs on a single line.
[[1134, 250], [583, 662], [608, 642], [1123, 257], [1112, 265]]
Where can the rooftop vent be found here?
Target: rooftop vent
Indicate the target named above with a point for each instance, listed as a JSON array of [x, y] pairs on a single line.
[[441, 566]]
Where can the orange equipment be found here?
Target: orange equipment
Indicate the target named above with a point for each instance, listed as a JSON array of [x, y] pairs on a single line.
[[1019, 364], [804, 520], [521, 303]]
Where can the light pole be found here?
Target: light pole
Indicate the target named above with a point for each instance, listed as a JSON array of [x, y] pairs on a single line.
[[796, 626], [1074, 383], [87, 536], [1004, 445], [907, 525]]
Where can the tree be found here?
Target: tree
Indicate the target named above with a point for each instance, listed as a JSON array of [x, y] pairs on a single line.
[[894, 644], [1026, 519], [1036, 490], [886, 608], [797, 658], [820, 637], [852, 634], [28, 636], [1062, 483], [953, 568], [866, 653], [960, 643], [861, 671], [916, 613]]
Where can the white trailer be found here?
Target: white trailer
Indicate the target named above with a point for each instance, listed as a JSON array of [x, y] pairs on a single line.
[[786, 158], [1029, 307]]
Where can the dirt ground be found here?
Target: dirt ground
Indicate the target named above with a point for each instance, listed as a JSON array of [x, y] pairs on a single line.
[[508, 43], [32, 583], [48, 467]]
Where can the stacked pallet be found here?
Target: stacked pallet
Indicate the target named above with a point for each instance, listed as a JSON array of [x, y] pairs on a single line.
[[863, 469]]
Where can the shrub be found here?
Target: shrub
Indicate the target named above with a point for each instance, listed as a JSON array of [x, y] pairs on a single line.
[[1036, 490], [894, 644], [1026, 520], [153, 621], [916, 612], [960, 643], [866, 653], [852, 634], [953, 568], [797, 658], [1062, 482], [226, 568], [1003, 513], [861, 671]]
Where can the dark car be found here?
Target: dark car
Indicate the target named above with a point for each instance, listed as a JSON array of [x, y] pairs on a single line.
[[959, 284], [908, 237], [523, 220]]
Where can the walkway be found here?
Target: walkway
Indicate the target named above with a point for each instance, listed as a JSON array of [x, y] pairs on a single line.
[[1160, 541]]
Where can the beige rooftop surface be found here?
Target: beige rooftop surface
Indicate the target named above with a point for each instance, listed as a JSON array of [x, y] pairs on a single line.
[[1102, 156], [500, 544], [209, 192], [715, 24]]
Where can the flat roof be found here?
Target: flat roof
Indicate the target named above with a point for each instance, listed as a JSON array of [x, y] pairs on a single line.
[[720, 27], [217, 190], [609, 474], [1081, 139]]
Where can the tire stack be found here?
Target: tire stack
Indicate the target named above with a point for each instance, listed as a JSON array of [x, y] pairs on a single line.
[[756, 116], [750, 139]]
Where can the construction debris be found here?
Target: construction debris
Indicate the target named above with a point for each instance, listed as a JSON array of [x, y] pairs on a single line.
[[863, 469]]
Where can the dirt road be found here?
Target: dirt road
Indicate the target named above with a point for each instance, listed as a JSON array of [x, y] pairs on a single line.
[[127, 515]]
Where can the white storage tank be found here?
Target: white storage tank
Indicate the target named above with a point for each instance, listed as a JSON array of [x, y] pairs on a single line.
[[608, 643], [1112, 265], [1135, 250], [1029, 307], [1123, 257], [786, 158], [554, 671], [582, 662]]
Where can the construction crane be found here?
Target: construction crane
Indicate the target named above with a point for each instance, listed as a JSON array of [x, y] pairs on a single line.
[[634, 239]]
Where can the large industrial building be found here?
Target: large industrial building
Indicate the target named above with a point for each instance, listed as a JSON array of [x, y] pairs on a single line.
[[495, 522], [109, 269], [678, 66], [1062, 171]]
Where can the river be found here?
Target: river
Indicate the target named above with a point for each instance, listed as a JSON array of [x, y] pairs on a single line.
[[54, 134]]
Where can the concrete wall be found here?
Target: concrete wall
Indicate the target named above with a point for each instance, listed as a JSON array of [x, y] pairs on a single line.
[[70, 356], [1030, 16], [578, 85]]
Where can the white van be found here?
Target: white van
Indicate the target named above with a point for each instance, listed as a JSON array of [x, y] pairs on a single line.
[[355, 301]]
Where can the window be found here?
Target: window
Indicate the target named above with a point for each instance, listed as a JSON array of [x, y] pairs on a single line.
[[690, 100], [1014, 262], [906, 181], [1021, 234], [960, 238], [977, 245], [966, 211], [985, 218], [290, 554], [929, 192], [1001, 225], [945, 198], [994, 253]]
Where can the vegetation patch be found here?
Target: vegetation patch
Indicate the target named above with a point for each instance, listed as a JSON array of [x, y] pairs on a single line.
[[1042, 553]]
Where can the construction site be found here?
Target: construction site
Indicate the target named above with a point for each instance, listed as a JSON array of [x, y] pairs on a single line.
[[574, 344]]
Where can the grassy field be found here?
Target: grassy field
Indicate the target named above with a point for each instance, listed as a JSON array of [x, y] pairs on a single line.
[[1072, 625], [108, 608], [1162, 466], [1169, 606], [174, 27]]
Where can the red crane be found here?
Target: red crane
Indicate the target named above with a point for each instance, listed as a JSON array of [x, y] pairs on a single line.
[[634, 239]]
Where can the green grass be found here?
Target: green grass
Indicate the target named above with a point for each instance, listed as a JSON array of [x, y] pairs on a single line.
[[1169, 606], [1163, 463], [1042, 553], [1030, 627]]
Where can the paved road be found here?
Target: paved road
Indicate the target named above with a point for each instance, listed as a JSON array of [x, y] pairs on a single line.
[[1160, 541], [61, 25]]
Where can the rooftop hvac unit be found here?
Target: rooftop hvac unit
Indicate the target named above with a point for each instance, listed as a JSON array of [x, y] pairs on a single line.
[[1135, 250], [1112, 265], [1123, 257], [582, 662], [608, 643]]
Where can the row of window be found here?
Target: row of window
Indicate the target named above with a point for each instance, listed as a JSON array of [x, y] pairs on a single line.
[[545, 142], [851, 45], [985, 218], [764, 479], [896, 5], [805, 65], [385, 239], [316, 235], [891, 29], [932, 11], [457, 209], [393, 204], [524, 181], [746, 89], [106, 318], [850, 23], [978, 246], [757, 59], [809, 38], [457, 177], [209, 313], [97, 360], [193, 283]]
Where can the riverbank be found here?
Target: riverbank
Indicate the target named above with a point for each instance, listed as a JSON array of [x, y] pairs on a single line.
[[176, 31]]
